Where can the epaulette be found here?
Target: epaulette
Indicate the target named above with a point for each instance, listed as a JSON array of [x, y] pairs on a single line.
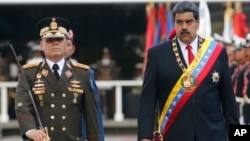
[[79, 65], [26, 66]]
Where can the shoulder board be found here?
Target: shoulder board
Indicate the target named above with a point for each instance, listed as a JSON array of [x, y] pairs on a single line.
[[26, 66], [81, 66]]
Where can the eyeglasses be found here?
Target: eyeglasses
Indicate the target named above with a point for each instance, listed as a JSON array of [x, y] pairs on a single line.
[[57, 39]]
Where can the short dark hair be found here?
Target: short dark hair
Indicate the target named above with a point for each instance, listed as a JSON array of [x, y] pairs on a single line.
[[186, 6]]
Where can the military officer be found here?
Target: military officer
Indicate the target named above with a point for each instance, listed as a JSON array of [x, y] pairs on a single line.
[[61, 91], [107, 69], [238, 75], [246, 84], [70, 49]]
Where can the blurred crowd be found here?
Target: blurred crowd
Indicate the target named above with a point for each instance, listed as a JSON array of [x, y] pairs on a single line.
[[238, 51]]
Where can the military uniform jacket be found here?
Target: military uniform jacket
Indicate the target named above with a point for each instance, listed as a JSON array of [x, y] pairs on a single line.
[[206, 116], [60, 103]]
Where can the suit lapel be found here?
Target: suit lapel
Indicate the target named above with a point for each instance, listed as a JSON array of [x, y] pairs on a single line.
[[181, 55], [52, 83], [47, 76]]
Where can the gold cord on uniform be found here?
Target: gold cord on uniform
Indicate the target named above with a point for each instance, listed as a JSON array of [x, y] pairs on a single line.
[[188, 81]]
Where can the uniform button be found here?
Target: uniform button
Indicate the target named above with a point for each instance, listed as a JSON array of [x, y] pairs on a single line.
[[64, 129], [63, 95], [52, 117], [63, 106], [52, 128], [52, 105], [63, 117], [52, 95]]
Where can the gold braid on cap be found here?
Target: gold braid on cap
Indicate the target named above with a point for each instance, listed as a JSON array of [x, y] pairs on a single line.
[[54, 29]]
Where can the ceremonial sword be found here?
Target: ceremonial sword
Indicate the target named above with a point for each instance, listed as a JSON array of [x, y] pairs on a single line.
[[30, 94]]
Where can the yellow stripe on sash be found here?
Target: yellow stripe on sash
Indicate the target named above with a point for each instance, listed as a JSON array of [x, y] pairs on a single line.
[[178, 86]]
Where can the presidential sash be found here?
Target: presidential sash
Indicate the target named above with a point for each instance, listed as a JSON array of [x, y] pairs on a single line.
[[178, 96]]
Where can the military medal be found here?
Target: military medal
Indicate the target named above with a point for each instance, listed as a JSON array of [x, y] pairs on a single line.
[[215, 77], [188, 82], [41, 100], [39, 88], [75, 95], [68, 74], [75, 89], [157, 136], [45, 72]]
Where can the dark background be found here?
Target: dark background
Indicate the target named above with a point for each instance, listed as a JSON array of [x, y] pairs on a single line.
[[120, 27]]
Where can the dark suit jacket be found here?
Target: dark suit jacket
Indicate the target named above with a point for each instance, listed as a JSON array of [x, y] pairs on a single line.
[[205, 116], [59, 113]]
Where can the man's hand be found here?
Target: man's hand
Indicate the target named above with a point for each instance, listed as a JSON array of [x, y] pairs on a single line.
[[37, 135]]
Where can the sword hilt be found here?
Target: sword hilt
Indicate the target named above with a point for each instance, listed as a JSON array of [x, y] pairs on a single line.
[[45, 129]]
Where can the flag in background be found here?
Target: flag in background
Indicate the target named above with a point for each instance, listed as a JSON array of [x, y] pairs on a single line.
[[169, 23], [160, 33], [239, 21], [157, 35], [205, 28], [150, 30], [159, 26], [228, 22]]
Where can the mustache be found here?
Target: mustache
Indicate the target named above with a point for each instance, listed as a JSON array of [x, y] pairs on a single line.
[[184, 32]]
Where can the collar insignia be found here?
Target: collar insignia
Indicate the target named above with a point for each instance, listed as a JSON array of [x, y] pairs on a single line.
[[68, 74], [44, 72]]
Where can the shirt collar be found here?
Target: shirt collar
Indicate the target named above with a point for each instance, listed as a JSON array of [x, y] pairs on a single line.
[[59, 63], [194, 44]]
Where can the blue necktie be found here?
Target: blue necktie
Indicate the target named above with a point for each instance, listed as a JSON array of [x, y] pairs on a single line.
[[55, 69]]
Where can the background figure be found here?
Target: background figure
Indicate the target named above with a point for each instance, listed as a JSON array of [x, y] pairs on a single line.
[[5, 76], [238, 75], [37, 53], [70, 49], [246, 87], [231, 56], [228, 22], [187, 80], [4, 68], [107, 69]]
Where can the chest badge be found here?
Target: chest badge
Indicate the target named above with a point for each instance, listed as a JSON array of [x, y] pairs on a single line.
[[68, 74], [45, 72], [215, 77]]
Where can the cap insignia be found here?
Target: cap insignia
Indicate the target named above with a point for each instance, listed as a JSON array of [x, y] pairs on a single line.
[[53, 24]]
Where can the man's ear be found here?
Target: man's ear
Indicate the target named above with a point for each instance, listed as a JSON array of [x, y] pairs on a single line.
[[41, 45]]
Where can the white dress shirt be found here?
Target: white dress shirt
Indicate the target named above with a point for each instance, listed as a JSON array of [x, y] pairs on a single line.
[[184, 51], [59, 63]]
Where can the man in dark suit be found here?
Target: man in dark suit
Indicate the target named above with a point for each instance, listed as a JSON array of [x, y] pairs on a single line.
[[188, 79], [62, 92]]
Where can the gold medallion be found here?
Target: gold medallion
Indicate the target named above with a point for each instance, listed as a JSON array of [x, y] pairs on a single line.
[[157, 136], [188, 82]]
